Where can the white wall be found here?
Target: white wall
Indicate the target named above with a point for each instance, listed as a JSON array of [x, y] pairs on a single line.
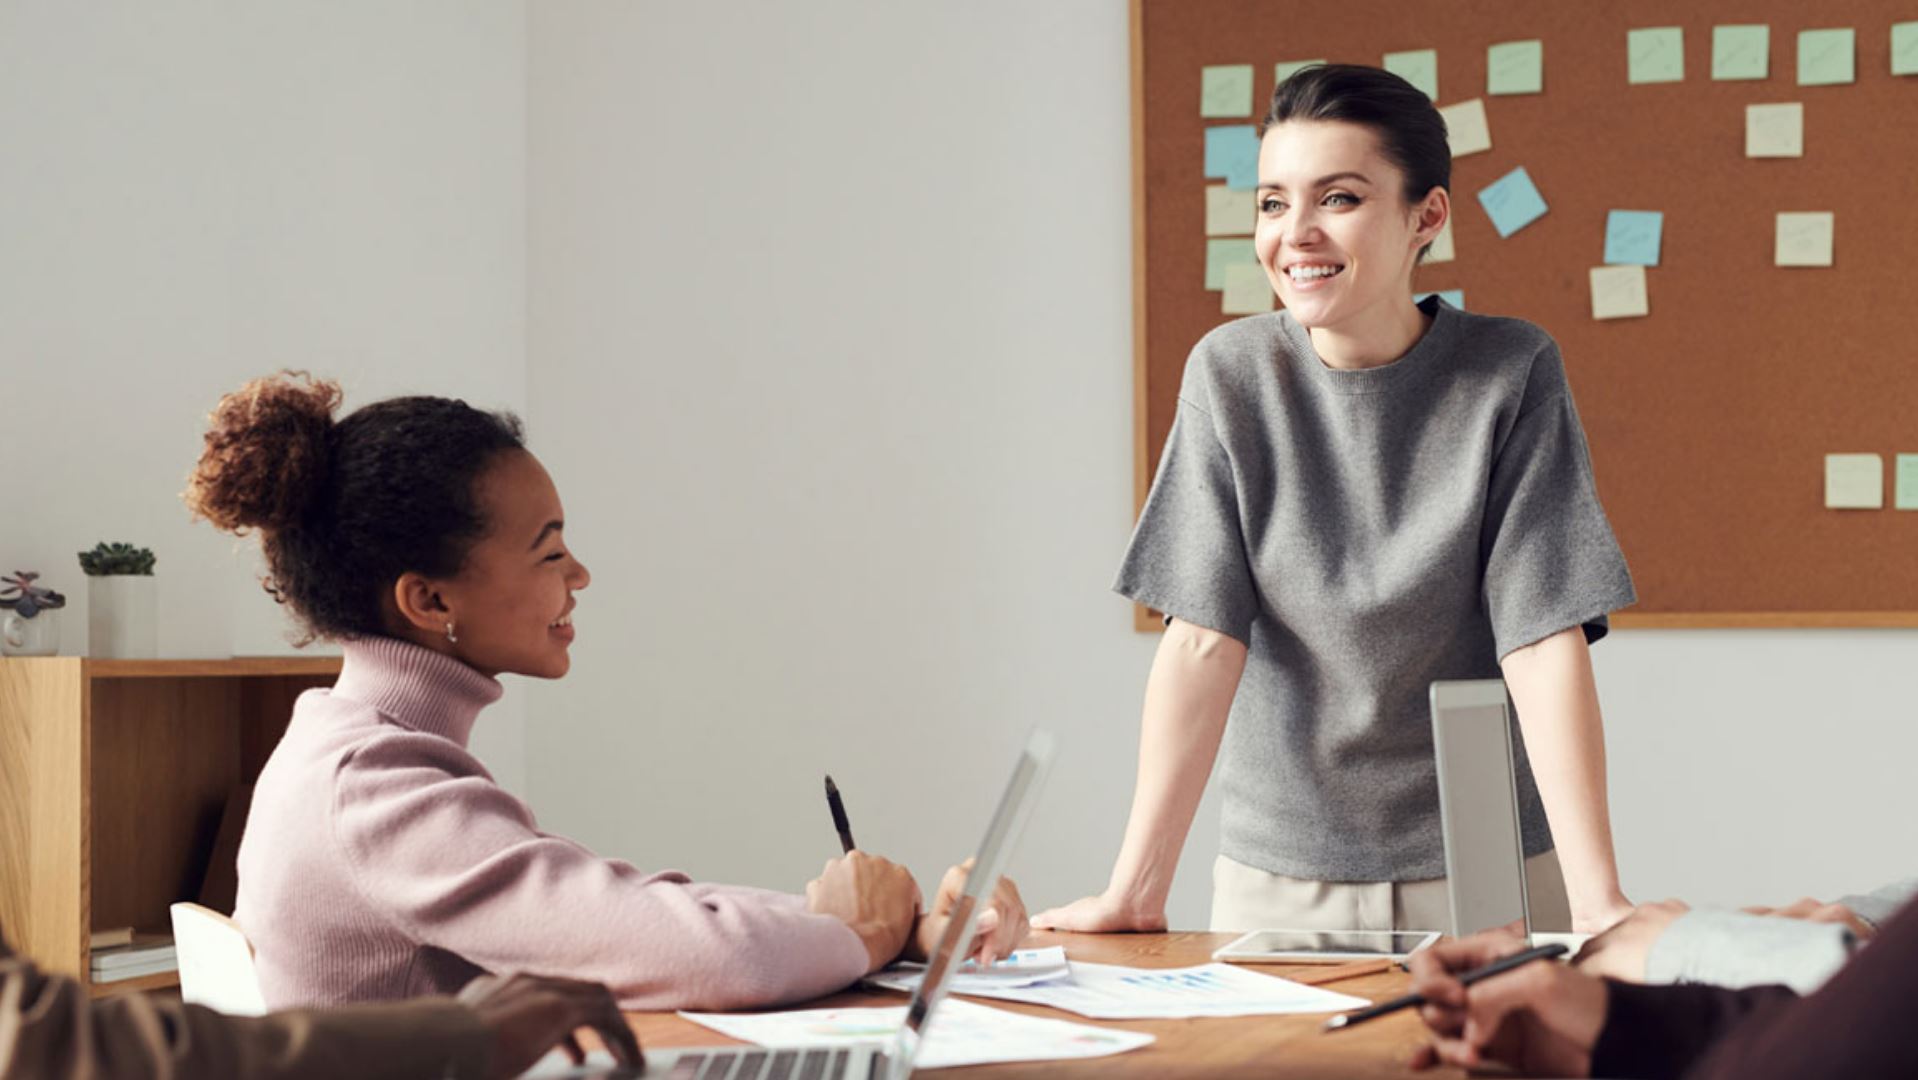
[[830, 340], [192, 194]]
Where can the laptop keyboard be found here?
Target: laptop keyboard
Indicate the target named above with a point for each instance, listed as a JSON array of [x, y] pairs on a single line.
[[823, 1063]]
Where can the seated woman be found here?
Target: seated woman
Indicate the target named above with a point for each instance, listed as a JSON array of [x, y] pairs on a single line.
[[380, 860]]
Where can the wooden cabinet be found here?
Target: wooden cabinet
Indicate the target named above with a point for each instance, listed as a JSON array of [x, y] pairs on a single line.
[[113, 778]]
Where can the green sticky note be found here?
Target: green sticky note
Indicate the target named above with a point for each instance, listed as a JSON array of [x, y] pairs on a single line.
[[1515, 67], [1826, 57], [1418, 67], [1906, 497], [1904, 48], [1284, 71], [1741, 52], [1225, 90], [1655, 55], [1222, 254]]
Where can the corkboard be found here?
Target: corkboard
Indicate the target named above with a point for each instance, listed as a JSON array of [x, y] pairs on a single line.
[[1709, 420]]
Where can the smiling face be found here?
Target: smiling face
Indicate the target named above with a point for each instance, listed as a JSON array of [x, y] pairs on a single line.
[[511, 603], [1335, 232]]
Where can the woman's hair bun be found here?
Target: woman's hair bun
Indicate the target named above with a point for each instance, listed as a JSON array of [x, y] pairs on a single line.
[[266, 456]]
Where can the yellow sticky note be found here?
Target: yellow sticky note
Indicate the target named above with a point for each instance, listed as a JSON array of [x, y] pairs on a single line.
[[1805, 239], [1247, 291], [1442, 250], [1854, 482], [1775, 130], [1618, 292], [1229, 212], [1466, 128]]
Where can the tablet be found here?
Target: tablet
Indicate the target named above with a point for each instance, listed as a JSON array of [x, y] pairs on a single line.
[[1324, 946]]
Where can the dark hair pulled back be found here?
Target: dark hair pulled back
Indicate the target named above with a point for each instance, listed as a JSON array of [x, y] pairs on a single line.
[[344, 508]]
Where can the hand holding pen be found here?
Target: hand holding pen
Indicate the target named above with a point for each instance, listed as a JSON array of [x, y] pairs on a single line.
[[1538, 1018]]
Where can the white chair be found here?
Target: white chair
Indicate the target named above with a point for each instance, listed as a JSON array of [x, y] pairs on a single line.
[[216, 962]]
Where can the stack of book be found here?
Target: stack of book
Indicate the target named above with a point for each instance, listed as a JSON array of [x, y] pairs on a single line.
[[124, 954]]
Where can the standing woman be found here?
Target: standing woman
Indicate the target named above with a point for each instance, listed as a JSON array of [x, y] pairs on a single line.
[[1360, 495]]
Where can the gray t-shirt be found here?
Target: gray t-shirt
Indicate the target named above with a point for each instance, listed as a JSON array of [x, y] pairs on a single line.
[[1364, 533]]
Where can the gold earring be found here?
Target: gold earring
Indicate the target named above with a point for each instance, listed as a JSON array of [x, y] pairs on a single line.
[[450, 635]]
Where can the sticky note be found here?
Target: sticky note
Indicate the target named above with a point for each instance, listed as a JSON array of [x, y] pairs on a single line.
[[1775, 130], [1247, 291], [1512, 201], [1286, 69], [1904, 48], [1826, 57], [1441, 249], [1229, 212], [1741, 52], [1418, 67], [1515, 67], [1854, 482], [1225, 90], [1907, 494], [1632, 237], [1454, 297], [1655, 55], [1221, 255], [1618, 292], [1465, 128], [1232, 155], [1805, 239]]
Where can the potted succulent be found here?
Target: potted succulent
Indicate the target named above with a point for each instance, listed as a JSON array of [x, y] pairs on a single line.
[[120, 601], [30, 625]]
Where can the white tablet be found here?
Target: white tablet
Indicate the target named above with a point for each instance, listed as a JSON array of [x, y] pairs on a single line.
[[1324, 946]]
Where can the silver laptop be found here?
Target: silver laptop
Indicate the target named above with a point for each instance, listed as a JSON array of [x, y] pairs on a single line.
[[863, 1060], [1478, 806]]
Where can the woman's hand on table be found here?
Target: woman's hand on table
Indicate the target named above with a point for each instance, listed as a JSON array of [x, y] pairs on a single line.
[[1107, 913]]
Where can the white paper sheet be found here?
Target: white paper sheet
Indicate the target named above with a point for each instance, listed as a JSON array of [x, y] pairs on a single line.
[[1023, 968], [962, 1033], [1108, 992]]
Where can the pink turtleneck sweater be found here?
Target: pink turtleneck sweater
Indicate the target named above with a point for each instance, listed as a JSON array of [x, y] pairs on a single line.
[[381, 861]]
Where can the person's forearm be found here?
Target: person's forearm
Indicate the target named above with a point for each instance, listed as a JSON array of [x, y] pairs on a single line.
[[1557, 699], [1187, 697]]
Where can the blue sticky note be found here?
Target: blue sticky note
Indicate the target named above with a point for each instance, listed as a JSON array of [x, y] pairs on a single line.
[[1454, 297], [1232, 155], [1632, 236], [1512, 202]]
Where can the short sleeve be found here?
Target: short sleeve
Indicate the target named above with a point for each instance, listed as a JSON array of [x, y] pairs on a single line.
[[1551, 561], [1187, 555]]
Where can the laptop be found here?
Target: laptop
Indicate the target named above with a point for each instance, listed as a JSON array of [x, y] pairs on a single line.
[[1478, 806], [863, 1060]]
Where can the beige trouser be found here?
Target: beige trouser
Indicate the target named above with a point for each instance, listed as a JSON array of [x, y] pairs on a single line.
[[1245, 898]]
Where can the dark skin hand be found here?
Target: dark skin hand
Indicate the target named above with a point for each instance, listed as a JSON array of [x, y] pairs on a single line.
[[527, 1015]]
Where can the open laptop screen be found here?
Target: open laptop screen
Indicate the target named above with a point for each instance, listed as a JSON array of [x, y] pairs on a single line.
[[1008, 821]]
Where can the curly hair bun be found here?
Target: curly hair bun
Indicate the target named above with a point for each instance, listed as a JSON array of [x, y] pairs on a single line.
[[267, 446]]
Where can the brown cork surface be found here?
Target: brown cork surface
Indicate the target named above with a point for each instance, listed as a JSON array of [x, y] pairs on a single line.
[[1709, 421]]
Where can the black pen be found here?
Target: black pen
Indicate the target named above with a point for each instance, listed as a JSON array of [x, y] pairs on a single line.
[[839, 815], [1496, 967]]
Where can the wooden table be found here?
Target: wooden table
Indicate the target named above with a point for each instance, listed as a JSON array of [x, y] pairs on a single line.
[[1263, 1046]]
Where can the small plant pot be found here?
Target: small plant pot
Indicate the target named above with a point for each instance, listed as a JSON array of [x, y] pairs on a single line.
[[38, 636], [121, 618]]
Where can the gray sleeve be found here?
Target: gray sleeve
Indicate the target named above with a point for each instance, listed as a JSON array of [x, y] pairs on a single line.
[[1735, 950], [1877, 906], [1187, 555], [1550, 559]]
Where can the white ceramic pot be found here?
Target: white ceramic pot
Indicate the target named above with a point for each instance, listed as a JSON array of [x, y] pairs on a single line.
[[121, 618], [38, 636]]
